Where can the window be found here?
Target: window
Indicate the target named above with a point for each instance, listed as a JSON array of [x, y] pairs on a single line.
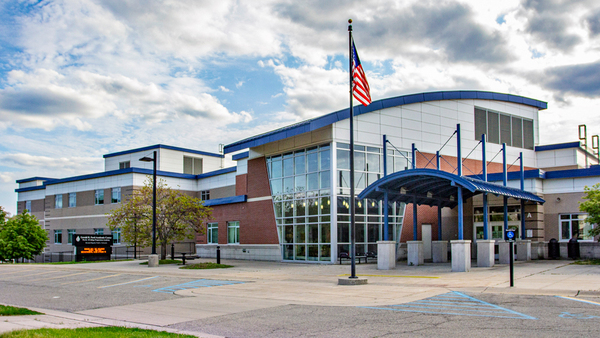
[[57, 236], [212, 231], [124, 165], [115, 195], [233, 232], [504, 128], [116, 236], [99, 231], [192, 165], [70, 234], [205, 195], [574, 226], [28, 206], [58, 201], [99, 196], [72, 200]]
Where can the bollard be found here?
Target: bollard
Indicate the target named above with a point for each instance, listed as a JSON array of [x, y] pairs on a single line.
[[172, 251], [218, 254]]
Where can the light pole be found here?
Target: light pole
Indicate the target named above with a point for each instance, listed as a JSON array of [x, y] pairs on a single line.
[[153, 159]]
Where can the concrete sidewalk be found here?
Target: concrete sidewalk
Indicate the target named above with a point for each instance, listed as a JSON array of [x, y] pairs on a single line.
[[272, 284]]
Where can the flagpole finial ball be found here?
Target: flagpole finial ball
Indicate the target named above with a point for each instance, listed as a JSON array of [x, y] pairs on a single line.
[[349, 20]]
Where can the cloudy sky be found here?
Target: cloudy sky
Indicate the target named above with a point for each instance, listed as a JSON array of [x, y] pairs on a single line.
[[82, 78]]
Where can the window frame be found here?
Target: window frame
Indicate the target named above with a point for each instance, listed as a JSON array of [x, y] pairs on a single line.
[[73, 199], [58, 236], [114, 200], [58, 201], [117, 236], [235, 226], [209, 234], [98, 231], [70, 234], [580, 238], [495, 125], [124, 165], [28, 206], [99, 193]]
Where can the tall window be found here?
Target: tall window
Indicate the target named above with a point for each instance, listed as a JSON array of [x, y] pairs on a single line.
[[124, 165], [115, 195], [301, 189], [496, 221], [116, 236], [574, 226], [504, 128], [70, 234], [58, 201], [28, 206], [205, 195], [99, 197], [72, 199], [212, 231], [233, 232], [57, 236], [192, 165], [98, 231]]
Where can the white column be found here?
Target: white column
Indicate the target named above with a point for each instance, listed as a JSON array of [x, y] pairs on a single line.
[[524, 250], [461, 255], [485, 252], [386, 255], [439, 250], [415, 253]]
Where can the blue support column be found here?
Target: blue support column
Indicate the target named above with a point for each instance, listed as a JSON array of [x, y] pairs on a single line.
[[415, 219], [437, 159], [439, 221], [485, 196], [414, 156], [505, 182], [460, 199], [386, 231], [523, 234]]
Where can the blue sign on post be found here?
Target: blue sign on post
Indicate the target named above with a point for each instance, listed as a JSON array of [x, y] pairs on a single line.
[[510, 234]]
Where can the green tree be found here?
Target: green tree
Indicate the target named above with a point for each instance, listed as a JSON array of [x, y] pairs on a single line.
[[592, 207], [21, 236], [178, 216]]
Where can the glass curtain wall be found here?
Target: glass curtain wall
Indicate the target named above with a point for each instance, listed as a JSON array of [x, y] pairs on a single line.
[[368, 167], [496, 221], [301, 189]]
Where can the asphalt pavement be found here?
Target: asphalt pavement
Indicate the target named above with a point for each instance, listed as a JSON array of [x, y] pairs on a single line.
[[272, 299]]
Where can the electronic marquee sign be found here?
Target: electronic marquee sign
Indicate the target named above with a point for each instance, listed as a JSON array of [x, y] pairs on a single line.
[[92, 247]]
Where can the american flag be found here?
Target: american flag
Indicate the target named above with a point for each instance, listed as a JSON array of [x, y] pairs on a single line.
[[360, 86]]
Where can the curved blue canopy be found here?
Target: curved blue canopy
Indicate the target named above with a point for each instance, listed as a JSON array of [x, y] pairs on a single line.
[[437, 188]]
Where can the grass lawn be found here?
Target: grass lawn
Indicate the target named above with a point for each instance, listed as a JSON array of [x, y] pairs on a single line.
[[85, 262], [206, 265], [16, 311], [164, 261], [588, 262], [91, 332]]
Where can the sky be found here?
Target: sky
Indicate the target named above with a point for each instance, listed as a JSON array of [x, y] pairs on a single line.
[[83, 78]]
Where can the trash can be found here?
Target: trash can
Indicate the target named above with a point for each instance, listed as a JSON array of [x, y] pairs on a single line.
[[573, 248], [553, 249]]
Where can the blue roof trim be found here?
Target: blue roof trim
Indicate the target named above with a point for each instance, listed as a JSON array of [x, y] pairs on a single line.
[[36, 178], [512, 175], [322, 121], [240, 156], [442, 186], [558, 146], [574, 173], [162, 146], [129, 171], [226, 200], [37, 187]]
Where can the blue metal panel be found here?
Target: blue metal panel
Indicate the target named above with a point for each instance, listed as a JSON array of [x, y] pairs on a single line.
[[226, 200], [454, 95], [558, 146], [414, 98], [515, 99], [436, 96], [240, 156], [572, 173], [468, 95], [393, 102], [485, 95], [214, 173], [500, 97]]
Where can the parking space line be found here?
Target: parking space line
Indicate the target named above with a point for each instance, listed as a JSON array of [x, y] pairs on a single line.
[[580, 300], [135, 281], [432, 277], [17, 271], [195, 285], [35, 274], [58, 277], [90, 280]]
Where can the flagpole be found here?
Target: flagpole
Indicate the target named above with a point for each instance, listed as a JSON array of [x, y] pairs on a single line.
[[352, 201]]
